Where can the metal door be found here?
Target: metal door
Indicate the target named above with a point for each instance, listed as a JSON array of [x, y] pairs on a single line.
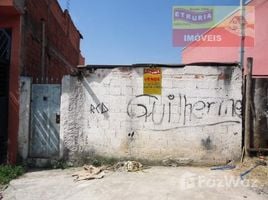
[[45, 121]]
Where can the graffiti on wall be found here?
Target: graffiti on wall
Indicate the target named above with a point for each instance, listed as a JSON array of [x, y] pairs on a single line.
[[182, 111], [100, 108]]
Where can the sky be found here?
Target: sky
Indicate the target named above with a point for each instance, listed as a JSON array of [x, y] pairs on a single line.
[[129, 31]]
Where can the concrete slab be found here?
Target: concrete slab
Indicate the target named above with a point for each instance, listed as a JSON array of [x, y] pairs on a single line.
[[156, 183]]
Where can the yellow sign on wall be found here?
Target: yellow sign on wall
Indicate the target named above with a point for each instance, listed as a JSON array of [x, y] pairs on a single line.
[[152, 81]]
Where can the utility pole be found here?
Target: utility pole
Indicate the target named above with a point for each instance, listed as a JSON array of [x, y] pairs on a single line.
[[248, 103], [242, 33]]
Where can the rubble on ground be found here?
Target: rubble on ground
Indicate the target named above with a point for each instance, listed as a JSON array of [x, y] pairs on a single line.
[[90, 172], [175, 162], [129, 166]]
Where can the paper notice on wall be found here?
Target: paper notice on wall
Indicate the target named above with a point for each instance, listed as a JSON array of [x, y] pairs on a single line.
[[152, 81]]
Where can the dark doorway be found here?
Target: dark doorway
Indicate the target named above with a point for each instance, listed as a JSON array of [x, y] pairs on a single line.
[[260, 113], [5, 49]]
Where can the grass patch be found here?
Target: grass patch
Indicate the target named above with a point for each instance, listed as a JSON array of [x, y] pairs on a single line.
[[8, 172]]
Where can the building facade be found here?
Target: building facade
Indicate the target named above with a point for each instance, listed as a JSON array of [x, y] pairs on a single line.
[[202, 52], [39, 40]]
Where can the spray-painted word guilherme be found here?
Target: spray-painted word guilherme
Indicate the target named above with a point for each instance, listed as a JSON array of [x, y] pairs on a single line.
[[182, 111]]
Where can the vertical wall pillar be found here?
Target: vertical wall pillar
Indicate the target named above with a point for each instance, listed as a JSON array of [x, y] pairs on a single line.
[[248, 104], [24, 127]]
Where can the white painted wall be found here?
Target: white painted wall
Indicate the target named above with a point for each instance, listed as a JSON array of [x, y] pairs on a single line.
[[197, 117]]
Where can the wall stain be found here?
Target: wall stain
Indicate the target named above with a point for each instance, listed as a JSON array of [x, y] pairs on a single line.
[[207, 143]]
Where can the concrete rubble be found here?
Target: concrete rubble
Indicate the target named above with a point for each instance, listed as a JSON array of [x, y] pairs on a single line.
[[90, 172]]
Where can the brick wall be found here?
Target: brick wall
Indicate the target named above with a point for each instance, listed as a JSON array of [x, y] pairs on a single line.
[[62, 42], [197, 116]]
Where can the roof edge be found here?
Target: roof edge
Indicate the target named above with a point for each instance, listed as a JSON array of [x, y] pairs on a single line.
[[105, 66]]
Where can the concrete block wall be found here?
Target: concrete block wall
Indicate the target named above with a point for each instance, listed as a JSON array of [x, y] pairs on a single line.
[[197, 117]]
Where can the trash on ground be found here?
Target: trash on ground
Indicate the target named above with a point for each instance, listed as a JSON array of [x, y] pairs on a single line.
[[129, 166], [229, 166], [89, 172], [257, 163], [223, 167], [177, 162]]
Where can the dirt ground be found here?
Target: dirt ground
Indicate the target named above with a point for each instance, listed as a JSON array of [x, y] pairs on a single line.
[[258, 174], [155, 183]]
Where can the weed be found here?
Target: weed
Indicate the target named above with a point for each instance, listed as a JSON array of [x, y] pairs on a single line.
[[8, 172], [60, 164]]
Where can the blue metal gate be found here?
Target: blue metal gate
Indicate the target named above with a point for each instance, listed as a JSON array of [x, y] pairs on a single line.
[[45, 121]]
